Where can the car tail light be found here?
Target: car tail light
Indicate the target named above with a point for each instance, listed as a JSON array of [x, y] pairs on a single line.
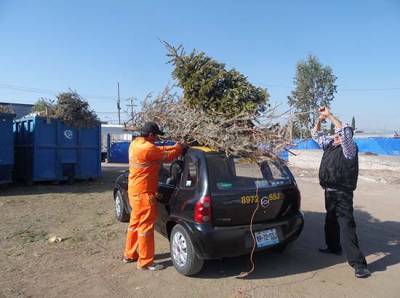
[[202, 210]]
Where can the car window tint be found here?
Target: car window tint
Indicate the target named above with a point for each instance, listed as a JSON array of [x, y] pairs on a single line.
[[190, 174], [227, 174], [245, 168], [277, 172]]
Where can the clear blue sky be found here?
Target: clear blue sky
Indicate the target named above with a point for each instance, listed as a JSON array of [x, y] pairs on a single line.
[[91, 45]]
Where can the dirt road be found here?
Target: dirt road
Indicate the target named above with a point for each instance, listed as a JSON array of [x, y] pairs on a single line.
[[87, 262]]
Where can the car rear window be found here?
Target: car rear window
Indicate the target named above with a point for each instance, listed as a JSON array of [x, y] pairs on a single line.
[[227, 174]]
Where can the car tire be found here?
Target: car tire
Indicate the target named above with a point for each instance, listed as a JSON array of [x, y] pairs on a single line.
[[183, 254], [120, 208]]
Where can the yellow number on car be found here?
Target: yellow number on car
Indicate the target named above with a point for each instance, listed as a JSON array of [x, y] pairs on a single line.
[[275, 196], [249, 199]]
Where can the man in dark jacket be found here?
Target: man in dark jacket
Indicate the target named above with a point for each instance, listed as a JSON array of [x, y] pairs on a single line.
[[338, 175]]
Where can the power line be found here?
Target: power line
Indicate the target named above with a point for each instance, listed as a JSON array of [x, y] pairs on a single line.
[[119, 106], [49, 91]]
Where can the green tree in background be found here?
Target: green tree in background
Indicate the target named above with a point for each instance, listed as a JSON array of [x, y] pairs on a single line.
[[353, 123], [43, 105], [209, 86], [314, 87]]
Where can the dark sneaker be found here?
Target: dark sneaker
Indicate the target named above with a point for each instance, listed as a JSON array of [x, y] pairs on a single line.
[[361, 271], [152, 267], [327, 250], [126, 260]]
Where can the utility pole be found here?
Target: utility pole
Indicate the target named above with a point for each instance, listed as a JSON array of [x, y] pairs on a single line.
[[131, 105], [119, 106], [291, 125]]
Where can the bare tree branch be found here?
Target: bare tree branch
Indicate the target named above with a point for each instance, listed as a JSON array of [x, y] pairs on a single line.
[[241, 135]]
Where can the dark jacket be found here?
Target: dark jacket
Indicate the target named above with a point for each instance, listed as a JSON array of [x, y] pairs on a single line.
[[336, 171]]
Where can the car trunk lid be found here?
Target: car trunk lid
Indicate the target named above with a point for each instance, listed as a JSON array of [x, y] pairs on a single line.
[[237, 208], [237, 186]]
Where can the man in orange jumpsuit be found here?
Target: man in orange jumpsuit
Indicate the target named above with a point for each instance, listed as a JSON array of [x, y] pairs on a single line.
[[144, 166]]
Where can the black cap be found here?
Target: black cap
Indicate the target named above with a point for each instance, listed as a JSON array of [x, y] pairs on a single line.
[[151, 127]]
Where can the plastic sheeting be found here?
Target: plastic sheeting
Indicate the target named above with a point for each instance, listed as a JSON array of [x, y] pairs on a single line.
[[379, 146], [370, 146], [118, 151], [284, 155], [305, 144]]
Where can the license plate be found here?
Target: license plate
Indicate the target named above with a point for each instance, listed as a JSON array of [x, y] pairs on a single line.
[[266, 238]]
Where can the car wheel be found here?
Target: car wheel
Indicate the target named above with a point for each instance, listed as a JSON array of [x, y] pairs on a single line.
[[183, 254], [120, 212]]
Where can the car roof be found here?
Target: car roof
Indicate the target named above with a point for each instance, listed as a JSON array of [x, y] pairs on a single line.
[[207, 151], [203, 148]]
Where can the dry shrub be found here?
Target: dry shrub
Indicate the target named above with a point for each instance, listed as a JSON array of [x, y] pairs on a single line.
[[70, 108], [44, 107], [7, 109], [248, 135]]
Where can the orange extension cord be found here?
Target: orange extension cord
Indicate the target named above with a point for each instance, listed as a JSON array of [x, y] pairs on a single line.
[[244, 274]]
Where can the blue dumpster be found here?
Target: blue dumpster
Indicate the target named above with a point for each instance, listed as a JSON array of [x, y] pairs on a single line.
[[6, 147], [49, 150], [118, 152]]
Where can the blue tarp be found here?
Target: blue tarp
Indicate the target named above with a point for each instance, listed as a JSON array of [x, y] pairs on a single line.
[[379, 146], [391, 146], [284, 155], [302, 144], [369, 145], [118, 151]]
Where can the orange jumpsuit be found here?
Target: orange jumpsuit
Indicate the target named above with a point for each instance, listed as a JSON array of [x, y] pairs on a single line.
[[144, 166]]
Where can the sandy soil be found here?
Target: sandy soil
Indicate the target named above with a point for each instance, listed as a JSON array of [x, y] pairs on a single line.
[[378, 169], [86, 263]]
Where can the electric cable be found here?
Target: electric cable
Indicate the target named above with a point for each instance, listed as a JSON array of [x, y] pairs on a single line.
[[246, 273], [49, 91]]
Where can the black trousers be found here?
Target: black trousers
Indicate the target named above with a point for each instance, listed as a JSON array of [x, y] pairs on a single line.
[[340, 227]]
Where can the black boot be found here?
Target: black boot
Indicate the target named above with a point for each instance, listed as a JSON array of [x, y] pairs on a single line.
[[361, 271], [327, 250]]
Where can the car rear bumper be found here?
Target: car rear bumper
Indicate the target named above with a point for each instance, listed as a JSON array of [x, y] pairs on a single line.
[[219, 242]]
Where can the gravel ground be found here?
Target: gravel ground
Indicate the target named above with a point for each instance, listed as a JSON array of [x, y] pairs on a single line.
[[87, 262]]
